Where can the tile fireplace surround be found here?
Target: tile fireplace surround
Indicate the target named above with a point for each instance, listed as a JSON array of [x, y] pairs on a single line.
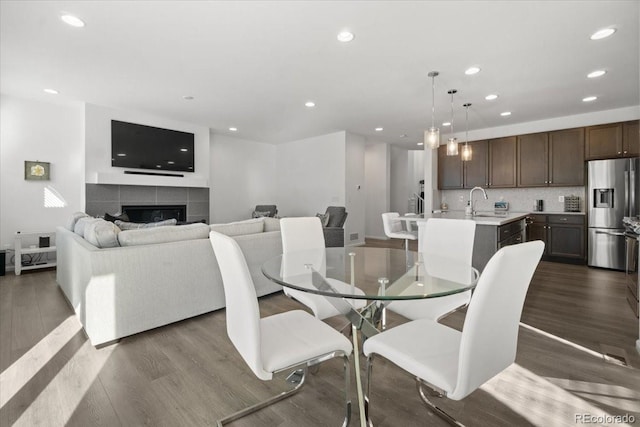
[[108, 198]]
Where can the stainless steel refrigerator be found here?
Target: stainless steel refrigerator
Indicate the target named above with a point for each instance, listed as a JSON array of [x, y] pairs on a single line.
[[612, 194]]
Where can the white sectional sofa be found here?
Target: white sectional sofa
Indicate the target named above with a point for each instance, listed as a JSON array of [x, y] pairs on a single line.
[[152, 277]]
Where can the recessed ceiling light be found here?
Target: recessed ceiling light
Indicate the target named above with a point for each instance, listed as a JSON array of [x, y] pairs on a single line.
[[601, 34], [310, 104], [184, 149], [491, 97], [74, 21], [51, 91], [345, 36], [589, 98], [446, 124], [421, 143], [121, 155], [596, 73], [472, 70], [506, 113], [233, 129], [379, 129], [188, 97]]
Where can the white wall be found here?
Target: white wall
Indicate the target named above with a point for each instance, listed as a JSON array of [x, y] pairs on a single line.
[[98, 168], [355, 190], [377, 188], [400, 189], [243, 175], [34, 130], [311, 174]]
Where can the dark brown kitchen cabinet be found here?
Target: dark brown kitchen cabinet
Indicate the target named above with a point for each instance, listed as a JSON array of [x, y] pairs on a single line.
[[564, 236], [476, 170], [603, 141], [449, 170], [502, 162], [566, 157], [631, 139], [533, 160]]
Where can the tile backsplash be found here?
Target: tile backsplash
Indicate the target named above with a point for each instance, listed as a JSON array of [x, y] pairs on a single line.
[[520, 199]]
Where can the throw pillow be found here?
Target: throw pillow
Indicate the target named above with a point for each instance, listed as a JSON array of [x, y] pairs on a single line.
[[324, 219], [260, 214], [120, 217], [71, 224], [102, 234]]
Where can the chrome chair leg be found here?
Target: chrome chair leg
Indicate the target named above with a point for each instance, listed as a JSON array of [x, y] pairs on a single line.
[[367, 411], [347, 391], [296, 377], [436, 410]]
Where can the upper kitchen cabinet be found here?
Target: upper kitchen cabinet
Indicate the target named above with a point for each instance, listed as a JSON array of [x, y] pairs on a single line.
[[554, 159], [476, 170], [631, 139], [502, 162], [449, 170], [566, 157], [533, 160], [604, 141]]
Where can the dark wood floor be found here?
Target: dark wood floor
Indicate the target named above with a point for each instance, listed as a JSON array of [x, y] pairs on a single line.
[[188, 373]]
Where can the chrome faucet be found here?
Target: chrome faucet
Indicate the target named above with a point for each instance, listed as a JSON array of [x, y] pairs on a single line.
[[473, 211]]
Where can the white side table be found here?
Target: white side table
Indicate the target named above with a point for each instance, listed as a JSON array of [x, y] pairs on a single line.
[[27, 244]]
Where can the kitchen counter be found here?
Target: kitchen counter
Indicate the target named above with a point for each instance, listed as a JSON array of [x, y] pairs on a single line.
[[483, 218]]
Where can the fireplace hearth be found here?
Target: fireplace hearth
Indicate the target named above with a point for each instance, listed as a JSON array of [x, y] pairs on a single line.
[[155, 213]]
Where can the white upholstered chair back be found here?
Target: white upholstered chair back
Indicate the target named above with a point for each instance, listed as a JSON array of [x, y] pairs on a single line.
[[452, 238], [391, 223], [490, 332], [301, 233], [243, 313]]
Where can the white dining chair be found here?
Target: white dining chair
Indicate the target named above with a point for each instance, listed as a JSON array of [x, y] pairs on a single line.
[[305, 233], [451, 238], [293, 340], [394, 229], [453, 363]]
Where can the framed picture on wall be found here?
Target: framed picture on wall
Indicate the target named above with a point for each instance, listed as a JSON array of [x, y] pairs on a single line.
[[37, 171]]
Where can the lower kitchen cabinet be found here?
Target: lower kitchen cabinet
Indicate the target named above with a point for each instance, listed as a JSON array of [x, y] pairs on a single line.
[[490, 238], [564, 236]]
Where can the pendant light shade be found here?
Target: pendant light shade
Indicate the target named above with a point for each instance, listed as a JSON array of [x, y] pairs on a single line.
[[452, 143], [432, 136], [466, 153]]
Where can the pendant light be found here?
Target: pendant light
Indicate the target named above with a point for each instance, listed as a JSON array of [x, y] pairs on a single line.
[[452, 143], [466, 153], [432, 136]]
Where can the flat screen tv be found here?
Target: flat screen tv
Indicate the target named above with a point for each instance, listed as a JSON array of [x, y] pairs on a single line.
[[148, 147]]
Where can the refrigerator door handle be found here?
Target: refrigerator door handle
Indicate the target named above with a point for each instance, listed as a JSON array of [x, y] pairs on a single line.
[[610, 233], [627, 183], [632, 193]]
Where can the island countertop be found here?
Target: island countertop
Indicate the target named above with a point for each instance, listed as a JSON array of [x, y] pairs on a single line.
[[481, 218], [484, 218]]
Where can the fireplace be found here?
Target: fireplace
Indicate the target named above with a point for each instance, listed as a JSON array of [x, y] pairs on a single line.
[[155, 213]]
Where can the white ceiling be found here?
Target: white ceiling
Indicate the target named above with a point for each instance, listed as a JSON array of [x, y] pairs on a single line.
[[253, 65]]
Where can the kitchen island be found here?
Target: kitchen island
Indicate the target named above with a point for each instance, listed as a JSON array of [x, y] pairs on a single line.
[[493, 231]]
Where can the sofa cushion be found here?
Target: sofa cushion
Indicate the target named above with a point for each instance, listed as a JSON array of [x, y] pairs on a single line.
[[124, 225], [102, 234], [74, 218], [82, 223], [271, 224], [149, 236], [250, 226]]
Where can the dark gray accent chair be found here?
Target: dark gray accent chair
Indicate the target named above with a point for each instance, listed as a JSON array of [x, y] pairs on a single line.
[[334, 231], [272, 209]]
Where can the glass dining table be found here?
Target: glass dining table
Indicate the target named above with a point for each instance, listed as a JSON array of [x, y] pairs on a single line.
[[377, 275]]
